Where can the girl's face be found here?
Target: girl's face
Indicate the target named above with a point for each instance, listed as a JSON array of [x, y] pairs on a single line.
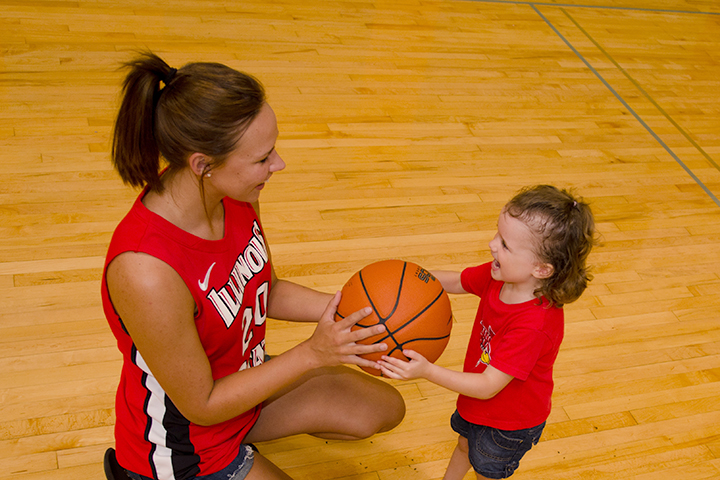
[[513, 250], [243, 174]]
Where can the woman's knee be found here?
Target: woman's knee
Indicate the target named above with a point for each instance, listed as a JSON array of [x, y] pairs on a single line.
[[379, 408], [387, 403], [393, 410]]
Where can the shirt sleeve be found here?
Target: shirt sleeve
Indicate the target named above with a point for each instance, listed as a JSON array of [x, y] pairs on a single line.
[[476, 280]]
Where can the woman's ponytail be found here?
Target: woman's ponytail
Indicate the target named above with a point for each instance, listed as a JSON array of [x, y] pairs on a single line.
[[167, 114], [135, 153]]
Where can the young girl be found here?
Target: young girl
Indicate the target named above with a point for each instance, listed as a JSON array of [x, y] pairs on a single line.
[[539, 252], [189, 283]]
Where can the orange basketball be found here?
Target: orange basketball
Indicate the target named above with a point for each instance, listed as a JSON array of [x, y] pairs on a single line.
[[408, 300]]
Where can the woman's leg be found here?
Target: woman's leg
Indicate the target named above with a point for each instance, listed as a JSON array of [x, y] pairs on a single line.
[[333, 403]]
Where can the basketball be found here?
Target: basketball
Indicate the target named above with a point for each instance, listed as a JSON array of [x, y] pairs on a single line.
[[408, 300]]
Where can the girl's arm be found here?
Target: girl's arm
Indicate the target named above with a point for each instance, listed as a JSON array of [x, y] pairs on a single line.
[[477, 385], [449, 280]]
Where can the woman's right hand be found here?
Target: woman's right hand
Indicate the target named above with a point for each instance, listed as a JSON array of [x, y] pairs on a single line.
[[335, 343]]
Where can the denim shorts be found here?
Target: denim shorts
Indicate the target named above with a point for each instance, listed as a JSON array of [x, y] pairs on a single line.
[[495, 453], [237, 470]]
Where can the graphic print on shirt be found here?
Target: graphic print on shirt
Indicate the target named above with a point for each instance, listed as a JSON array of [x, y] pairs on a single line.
[[228, 300], [486, 335], [203, 284]]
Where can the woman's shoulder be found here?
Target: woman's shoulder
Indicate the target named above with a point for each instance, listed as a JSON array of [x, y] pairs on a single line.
[[142, 271]]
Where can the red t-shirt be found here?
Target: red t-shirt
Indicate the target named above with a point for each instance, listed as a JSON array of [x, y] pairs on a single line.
[[521, 340], [229, 280]]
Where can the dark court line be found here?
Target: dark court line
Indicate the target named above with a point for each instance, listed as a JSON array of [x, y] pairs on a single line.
[[642, 90], [625, 104], [604, 7]]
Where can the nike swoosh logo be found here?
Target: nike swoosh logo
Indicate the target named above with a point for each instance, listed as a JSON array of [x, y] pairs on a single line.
[[204, 284]]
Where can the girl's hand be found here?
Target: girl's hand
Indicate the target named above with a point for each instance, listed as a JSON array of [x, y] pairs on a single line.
[[334, 343], [397, 369]]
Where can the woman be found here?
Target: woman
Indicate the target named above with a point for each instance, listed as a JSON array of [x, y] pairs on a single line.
[[189, 283]]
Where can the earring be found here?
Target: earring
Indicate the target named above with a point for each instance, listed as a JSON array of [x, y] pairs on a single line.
[[208, 175]]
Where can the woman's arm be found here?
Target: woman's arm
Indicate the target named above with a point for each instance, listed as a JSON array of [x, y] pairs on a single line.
[[158, 311], [290, 301]]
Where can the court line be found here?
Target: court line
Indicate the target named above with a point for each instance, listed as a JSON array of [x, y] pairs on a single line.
[[637, 85], [625, 104], [605, 7]]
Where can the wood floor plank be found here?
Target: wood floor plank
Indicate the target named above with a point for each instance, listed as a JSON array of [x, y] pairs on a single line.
[[405, 125]]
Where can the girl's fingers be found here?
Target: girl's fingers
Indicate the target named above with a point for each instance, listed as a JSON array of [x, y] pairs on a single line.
[[367, 363], [388, 372], [395, 362], [413, 355]]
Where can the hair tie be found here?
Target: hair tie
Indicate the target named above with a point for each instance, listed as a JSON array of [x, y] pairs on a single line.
[[169, 76]]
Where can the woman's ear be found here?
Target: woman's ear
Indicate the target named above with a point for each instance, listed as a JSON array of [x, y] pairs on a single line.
[[543, 270], [198, 163]]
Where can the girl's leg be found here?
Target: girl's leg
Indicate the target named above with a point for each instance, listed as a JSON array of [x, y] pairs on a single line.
[[459, 461], [333, 403]]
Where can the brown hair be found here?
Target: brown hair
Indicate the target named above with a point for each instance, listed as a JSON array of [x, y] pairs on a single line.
[[202, 107], [566, 231]]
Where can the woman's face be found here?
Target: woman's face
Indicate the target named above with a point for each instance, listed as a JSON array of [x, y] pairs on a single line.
[[253, 161]]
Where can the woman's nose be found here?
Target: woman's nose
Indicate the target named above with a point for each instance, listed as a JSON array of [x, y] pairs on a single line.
[[277, 163]]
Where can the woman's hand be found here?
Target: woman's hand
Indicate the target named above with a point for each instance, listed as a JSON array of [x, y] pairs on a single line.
[[335, 343], [397, 369]]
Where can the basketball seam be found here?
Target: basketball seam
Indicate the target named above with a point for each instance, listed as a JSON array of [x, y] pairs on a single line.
[[401, 345], [382, 320], [397, 297], [420, 312]]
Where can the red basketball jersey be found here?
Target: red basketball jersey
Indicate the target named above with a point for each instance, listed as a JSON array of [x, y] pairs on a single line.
[[229, 280]]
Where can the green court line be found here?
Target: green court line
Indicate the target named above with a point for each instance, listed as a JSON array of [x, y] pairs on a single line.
[[642, 90]]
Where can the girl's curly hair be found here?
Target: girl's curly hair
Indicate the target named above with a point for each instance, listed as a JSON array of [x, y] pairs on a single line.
[[566, 233]]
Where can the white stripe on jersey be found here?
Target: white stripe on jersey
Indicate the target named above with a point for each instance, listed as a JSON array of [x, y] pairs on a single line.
[[156, 410]]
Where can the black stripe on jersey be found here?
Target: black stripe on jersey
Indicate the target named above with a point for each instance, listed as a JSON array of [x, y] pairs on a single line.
[[184, 459]]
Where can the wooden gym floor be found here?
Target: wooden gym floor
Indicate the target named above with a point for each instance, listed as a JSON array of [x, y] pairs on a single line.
[[405, 125]]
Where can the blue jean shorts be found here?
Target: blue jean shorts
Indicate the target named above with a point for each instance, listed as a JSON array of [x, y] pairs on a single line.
[[237, 470], [495, 453]]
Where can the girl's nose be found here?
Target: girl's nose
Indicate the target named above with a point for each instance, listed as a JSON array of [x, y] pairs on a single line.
[[493, 243]]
